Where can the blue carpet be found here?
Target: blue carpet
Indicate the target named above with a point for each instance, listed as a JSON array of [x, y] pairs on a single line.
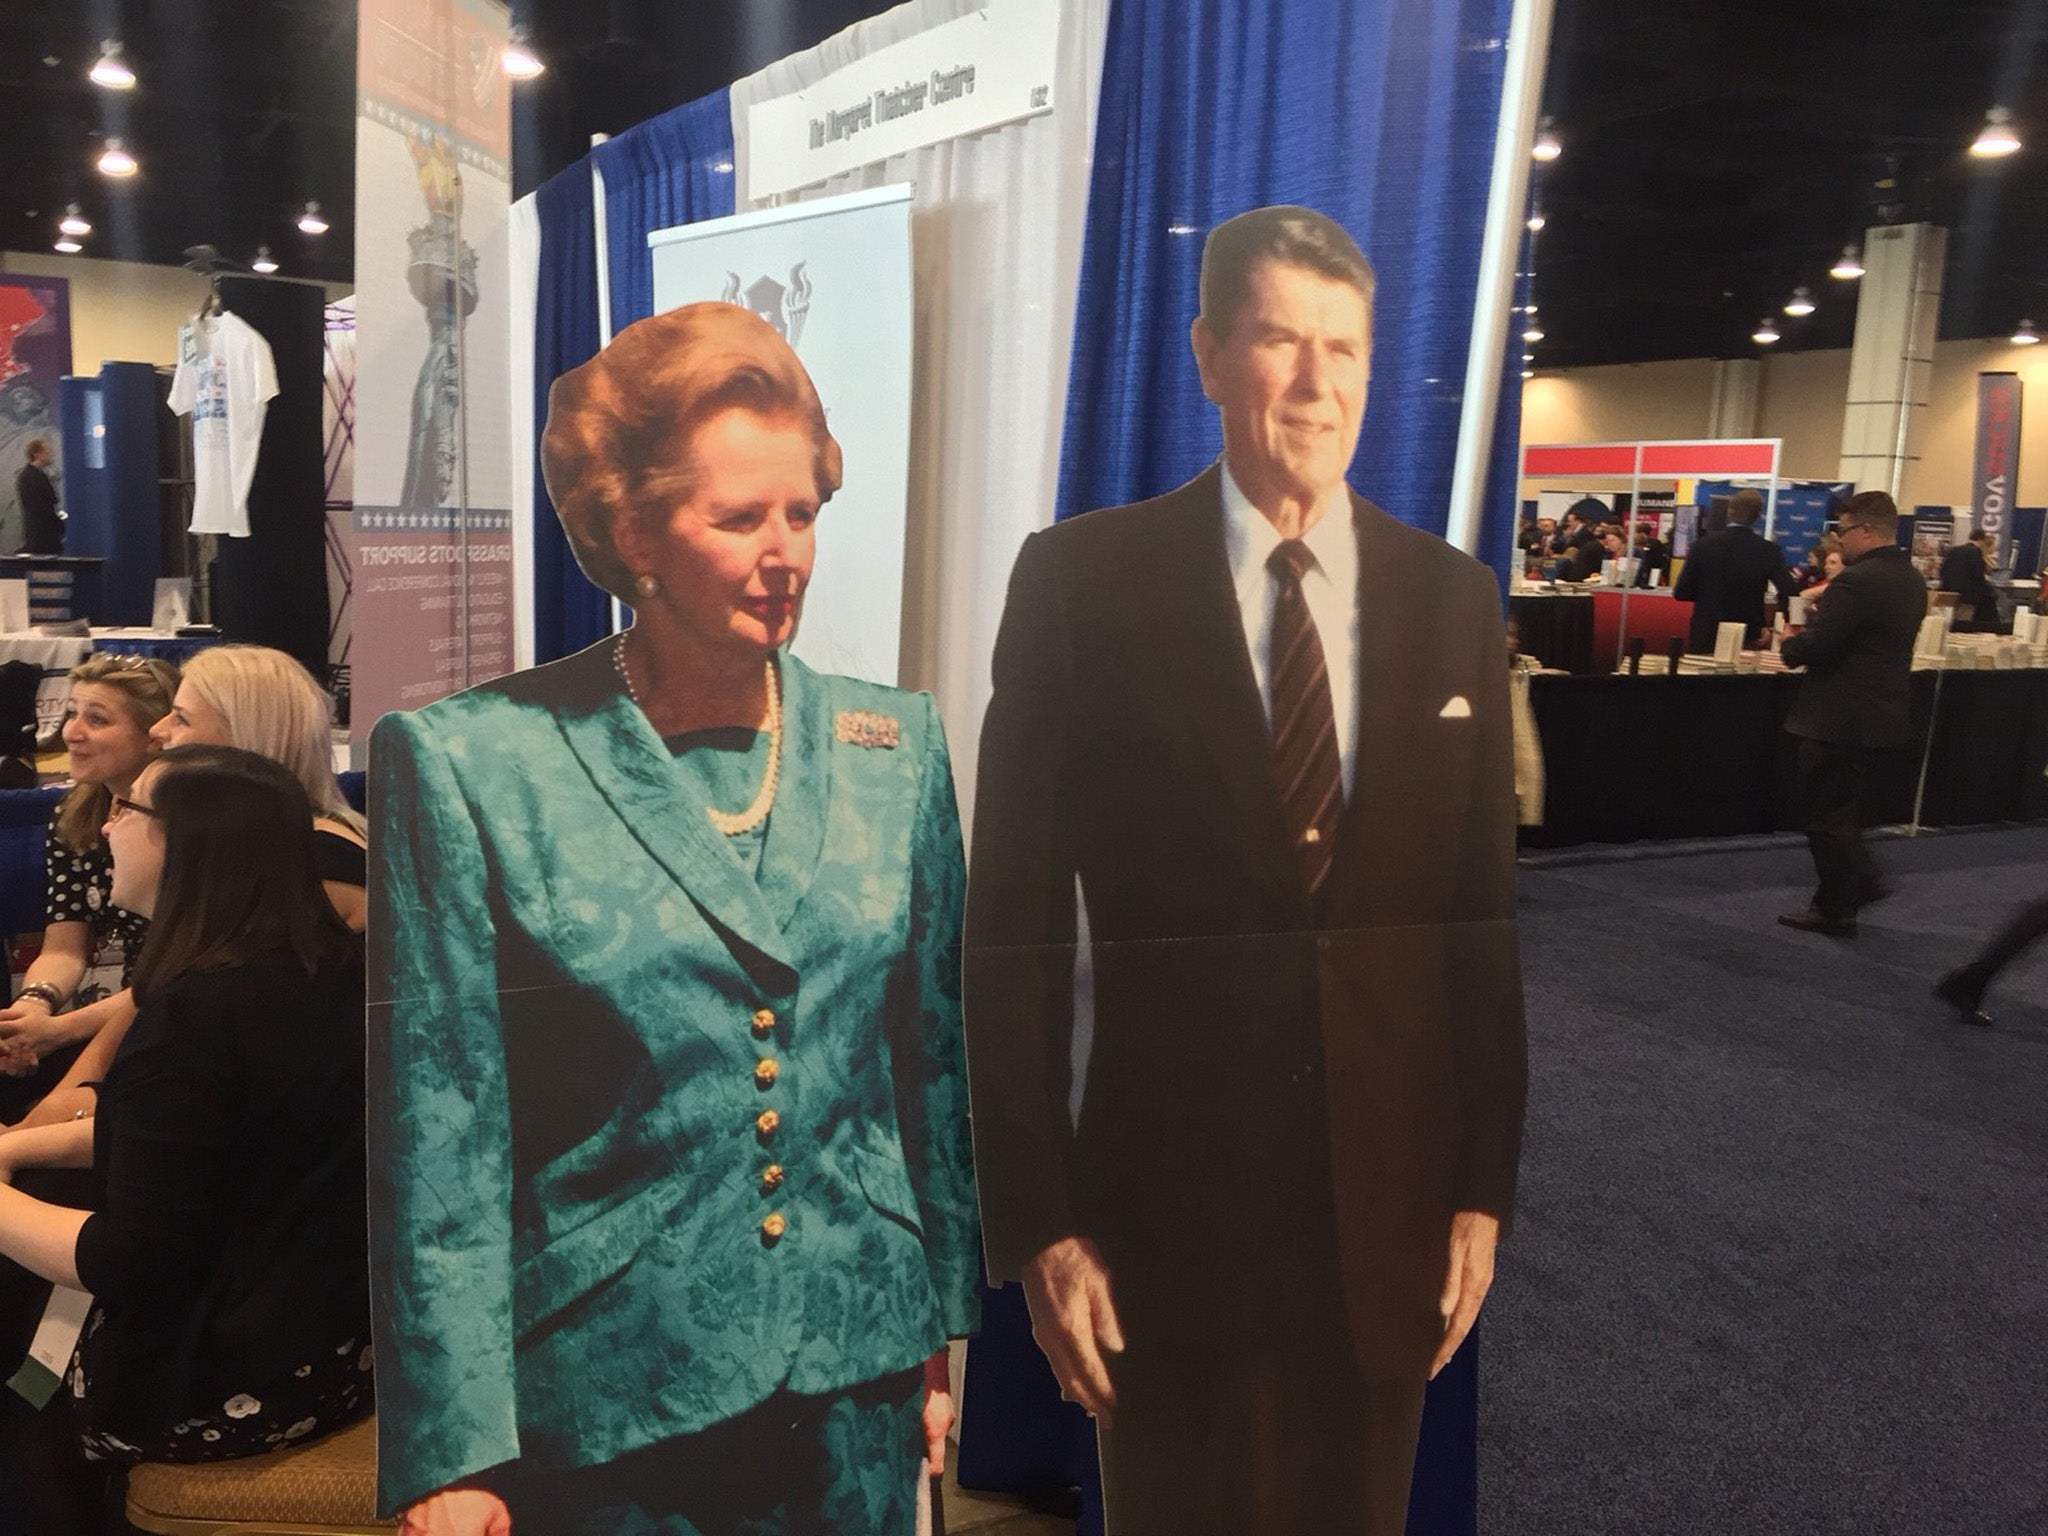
[[1779, 1263]]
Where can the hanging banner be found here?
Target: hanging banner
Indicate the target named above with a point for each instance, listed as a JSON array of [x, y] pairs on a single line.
[[1996, 465], [432, 592], [962, 77], [35, 353], [833, 278]]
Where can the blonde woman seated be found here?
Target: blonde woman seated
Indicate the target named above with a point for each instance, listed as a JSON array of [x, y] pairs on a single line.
[[262, 701], [113, 702]]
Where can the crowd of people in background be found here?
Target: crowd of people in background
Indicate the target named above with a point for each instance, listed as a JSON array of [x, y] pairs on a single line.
[[184, 1102]]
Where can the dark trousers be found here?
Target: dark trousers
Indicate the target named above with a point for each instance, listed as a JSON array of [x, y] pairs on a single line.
[[1213, 1439], [1831, 798], [2022, 930]]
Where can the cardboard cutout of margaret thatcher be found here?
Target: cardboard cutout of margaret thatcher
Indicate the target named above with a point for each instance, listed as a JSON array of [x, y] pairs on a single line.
[[672, 1197]]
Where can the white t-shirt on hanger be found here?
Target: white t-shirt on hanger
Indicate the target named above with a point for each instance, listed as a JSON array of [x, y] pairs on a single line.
[[226, 380]]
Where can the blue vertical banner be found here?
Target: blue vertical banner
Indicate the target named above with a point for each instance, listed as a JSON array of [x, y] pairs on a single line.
[[35, 354], [1382, 116], [1996, 466]]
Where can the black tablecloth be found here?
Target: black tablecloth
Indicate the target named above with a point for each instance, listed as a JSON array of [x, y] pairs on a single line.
[[1557, 631], [1630, 758]]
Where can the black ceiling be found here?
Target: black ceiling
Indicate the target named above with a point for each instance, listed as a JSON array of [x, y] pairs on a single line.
[[1718, 152]]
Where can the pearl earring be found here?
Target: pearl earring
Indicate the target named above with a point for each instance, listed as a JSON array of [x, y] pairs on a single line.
[[646, 585]]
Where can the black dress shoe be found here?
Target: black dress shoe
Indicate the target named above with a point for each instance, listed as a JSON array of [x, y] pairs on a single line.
[[1811, 921], [1962, 994]]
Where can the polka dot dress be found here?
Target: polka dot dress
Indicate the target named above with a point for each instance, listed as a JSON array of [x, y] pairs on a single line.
[[80, 886]]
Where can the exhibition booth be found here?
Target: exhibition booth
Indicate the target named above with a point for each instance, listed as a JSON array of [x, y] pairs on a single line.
[[1042, 724]]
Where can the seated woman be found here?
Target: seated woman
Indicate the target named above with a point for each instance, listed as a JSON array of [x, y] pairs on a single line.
[[114, 701], [262, 701], [226, 1253]]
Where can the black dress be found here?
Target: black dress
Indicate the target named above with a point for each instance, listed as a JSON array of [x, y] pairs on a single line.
[[228, 1254]]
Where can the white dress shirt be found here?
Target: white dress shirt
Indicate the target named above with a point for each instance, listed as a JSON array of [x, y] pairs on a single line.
[[1330, 588]]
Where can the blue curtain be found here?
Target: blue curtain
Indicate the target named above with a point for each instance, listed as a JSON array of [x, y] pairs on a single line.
[[673, 169], [1382, 115], [568, 612]]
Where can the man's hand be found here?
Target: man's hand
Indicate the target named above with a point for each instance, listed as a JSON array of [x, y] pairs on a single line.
[[1074, 1320], [1474, 1236], [458, 1512], [938, 1412]]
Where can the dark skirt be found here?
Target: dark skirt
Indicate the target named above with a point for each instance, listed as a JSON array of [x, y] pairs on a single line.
[[847, 1464]]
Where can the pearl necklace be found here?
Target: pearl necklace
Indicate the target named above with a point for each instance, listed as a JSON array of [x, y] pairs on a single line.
[[732, 824]]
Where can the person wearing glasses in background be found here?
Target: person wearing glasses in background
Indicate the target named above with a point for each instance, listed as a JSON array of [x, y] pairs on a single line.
[[224, 1239], [1853, 705]]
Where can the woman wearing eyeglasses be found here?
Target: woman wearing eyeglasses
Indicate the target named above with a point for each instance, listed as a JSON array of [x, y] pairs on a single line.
[[114, 701], [225, 1249], [260, 700]]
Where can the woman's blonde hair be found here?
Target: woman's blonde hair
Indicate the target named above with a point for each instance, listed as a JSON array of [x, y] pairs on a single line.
[[273, 708], [146, 686], [620, 427]]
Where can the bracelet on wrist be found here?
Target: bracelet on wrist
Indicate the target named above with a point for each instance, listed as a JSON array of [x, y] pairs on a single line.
[[43, 993]]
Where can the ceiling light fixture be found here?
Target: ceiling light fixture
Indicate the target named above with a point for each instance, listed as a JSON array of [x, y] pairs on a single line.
[[66, 246], [1800, 305], [312, 221], [1528, 373], [1547, 146], [1848, 266], [111, 71], [1533, 335], [74, 223], [1765, 333], [1536, 220], [2026, 335], [1996, 139], [264, 262], [115, 161], [1528, 357], [519, 60]]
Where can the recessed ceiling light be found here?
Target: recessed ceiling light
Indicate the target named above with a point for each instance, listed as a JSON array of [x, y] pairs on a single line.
[[1533, 334], [519, 60], [1800, 305], [1547, 146], [1996, 139], [1528, 373], [264, 262], [2026, 335], [1765, 333], [1536, 221], [1848, 266], [66, 246], [312, 221], [115, 161], [111, 71], [74, 223]]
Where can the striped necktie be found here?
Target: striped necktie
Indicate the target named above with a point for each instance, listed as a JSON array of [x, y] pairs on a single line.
[[1305, 759]]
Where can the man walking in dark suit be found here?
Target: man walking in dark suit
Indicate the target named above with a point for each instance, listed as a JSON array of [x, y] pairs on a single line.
[[1726, 574], [1853, 704], [1265, 728]]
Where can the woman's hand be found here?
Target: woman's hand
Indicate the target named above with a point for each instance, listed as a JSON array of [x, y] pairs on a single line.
[[938, 1412], [26, 1033], [458, 1512]]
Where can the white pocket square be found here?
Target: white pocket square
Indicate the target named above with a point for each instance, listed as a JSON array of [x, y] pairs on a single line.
[[1459, 708]]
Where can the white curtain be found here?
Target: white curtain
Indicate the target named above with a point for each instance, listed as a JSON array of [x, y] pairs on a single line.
[[996, 240], [523, 247]]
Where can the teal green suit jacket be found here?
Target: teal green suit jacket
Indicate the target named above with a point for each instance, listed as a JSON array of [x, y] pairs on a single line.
[[575, 986]]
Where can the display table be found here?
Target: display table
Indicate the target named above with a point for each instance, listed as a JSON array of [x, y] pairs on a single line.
[[58, 654], [1629, 758], [1556, 628], [1655, 617]]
